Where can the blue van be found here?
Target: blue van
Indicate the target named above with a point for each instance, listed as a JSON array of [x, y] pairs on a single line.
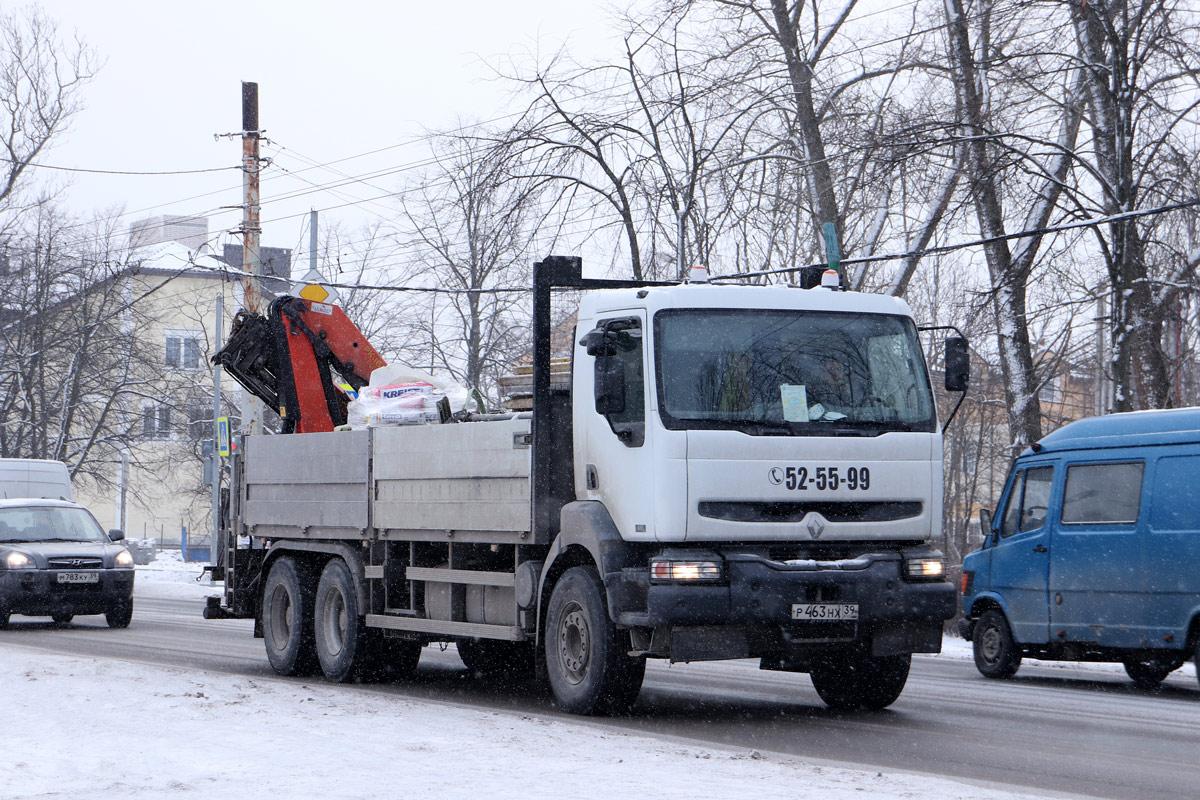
[[1094, 552]]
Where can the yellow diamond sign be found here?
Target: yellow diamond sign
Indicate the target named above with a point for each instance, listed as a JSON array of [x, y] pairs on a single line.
[[315, 292]]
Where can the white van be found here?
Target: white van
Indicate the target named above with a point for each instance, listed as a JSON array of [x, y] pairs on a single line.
[[36, 478]]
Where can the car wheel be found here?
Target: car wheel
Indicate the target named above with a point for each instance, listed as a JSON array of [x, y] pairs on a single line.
[[119, 616], [287, 618], [62, 619], [857, 680], [996, 653], [587, 657]]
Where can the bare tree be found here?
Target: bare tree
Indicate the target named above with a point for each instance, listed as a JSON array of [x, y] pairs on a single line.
[[41, 80], [470, 232]]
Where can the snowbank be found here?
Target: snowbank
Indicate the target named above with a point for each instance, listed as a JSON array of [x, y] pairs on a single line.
[[114, 730]]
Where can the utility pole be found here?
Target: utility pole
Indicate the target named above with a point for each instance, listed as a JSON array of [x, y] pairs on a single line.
[[251, 234], [216, 547], [312, 240]]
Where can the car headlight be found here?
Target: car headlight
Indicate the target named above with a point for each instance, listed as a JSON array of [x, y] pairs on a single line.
[[124, 559], [664, 570], [19, 561], [924, 569]]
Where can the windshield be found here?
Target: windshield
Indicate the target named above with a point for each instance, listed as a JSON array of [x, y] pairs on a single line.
[[791, 372], [47, 524]]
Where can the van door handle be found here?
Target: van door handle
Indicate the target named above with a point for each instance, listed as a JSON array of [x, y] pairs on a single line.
[[1041, 548]]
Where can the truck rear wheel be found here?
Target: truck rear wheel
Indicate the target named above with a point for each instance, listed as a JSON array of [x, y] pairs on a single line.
[[287, 618], [996, 653], [586, 655], [857, 680], [338, 630]]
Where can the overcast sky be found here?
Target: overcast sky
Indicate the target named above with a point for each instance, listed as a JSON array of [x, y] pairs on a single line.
[[336, 80]]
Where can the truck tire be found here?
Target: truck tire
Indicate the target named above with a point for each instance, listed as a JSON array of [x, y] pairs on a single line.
[[1149, 673], [120, 615], [587, 657], [857, 680], [492, 659], [996, 653], [338, 630], [287, 618]]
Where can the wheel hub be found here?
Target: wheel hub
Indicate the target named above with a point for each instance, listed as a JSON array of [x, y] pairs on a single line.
[[575, 643]]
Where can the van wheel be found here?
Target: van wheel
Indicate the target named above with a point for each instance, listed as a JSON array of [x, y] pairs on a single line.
[[586, 655], [996, 654], [287, 618], [857, 680], [1150, 673], [494, 659]]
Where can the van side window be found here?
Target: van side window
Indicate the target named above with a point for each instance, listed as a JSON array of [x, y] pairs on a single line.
[[1037, 497], [1176, 505], [1027, 503], [1103, 494]]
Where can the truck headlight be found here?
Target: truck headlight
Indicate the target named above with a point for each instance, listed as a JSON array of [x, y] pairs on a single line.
[[19, 561], [663, 570], [924, 569], [125, 559]]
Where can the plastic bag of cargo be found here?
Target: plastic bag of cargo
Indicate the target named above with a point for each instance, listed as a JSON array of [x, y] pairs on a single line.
[[410, 403]]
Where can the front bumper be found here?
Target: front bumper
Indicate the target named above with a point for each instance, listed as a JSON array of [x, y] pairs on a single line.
[[752, 610], [38, 592]]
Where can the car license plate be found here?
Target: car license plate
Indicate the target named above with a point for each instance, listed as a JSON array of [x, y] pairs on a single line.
[[78, 577], [824, 611]]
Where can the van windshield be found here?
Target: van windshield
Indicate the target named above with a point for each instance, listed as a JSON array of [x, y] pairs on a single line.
[[815, 373], [49, 524]]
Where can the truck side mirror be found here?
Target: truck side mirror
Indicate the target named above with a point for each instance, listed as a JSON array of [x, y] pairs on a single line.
[[958, 364], [116, 535], [985, 525], [610, 385]]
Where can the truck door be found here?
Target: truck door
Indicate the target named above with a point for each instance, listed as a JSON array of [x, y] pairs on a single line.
[[617, 458], [1095, 560], [1020, 557]]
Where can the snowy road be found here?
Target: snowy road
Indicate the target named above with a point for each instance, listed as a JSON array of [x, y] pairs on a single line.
[[1053, 728]]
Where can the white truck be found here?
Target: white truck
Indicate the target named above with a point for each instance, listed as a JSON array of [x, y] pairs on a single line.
[[728, 472]]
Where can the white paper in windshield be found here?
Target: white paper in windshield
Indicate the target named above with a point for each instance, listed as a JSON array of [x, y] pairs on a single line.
[[794, 398]]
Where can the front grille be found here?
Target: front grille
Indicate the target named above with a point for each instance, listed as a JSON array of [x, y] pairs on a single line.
[[76, 563], [832, 510]]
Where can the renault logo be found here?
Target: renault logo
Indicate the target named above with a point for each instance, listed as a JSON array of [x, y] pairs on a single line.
[[816, 526]]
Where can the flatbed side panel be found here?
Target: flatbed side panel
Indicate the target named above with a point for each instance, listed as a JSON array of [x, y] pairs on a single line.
[[458, 477], [307, 482]]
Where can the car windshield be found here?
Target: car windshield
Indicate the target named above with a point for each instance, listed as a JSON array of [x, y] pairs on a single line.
[[791, 372], [48, 524]]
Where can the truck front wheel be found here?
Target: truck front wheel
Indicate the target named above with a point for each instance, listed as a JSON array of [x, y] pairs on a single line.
[[287, 619], [587, 657], [857, 680], [996, 653]]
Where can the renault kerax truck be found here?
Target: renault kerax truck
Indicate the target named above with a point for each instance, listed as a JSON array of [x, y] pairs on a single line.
[[715, 472]]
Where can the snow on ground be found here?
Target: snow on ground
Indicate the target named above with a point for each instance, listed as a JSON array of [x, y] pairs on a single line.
[[114, 730]]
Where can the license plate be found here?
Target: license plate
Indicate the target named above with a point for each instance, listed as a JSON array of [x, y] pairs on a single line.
[[78, 577], [824, 611]]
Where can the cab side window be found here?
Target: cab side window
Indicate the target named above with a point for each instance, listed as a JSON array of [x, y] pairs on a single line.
[[1028, 501]]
